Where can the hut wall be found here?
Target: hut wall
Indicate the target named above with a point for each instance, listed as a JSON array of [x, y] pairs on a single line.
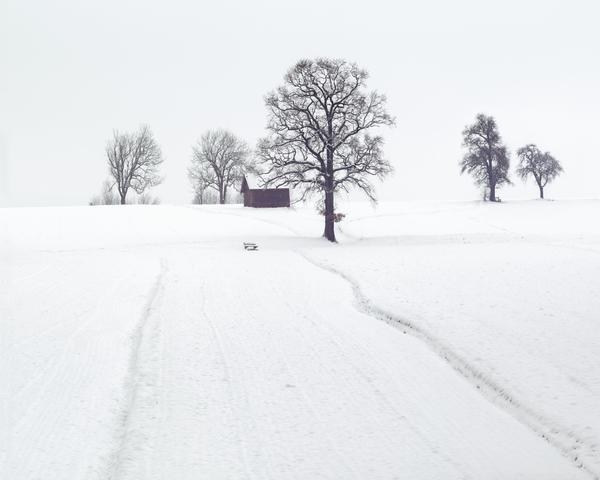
[[267, 198]]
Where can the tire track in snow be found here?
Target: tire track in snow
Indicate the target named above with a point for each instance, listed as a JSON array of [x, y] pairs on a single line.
[[329, 333], [566, 442], [132, 382], [562, 439], [226, 363]]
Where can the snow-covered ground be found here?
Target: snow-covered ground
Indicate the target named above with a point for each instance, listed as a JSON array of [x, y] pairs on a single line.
[[435, 341]]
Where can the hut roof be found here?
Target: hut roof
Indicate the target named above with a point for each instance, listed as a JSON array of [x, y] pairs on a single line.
[[249, 181]]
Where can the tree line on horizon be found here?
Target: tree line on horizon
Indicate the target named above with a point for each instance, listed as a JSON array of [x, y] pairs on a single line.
[[319, 142]]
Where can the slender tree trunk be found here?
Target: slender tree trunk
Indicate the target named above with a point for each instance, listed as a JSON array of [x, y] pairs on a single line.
[[222, 195], [541, 192], [329, 232], [492, 192], [123, 195], [490, 173]]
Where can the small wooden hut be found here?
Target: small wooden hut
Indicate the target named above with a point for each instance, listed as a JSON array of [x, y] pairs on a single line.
[[264, 197]]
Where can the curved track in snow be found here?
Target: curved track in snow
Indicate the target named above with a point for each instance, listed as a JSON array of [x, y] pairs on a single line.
[[198, 359], [568, 443]]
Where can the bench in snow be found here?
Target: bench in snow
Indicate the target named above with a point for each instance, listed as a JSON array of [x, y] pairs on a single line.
[[250, 246]]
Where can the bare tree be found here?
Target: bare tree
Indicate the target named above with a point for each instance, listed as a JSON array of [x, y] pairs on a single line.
[[543, 167], [219, 160], [147, 199], [199, 197], [487, 159], [133, 161], [203, 194], [107, 197], [318, 141], [205, 197]]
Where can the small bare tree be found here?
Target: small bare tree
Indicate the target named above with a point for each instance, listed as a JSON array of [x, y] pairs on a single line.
[[219, 160], [199, 197], [543, 167], [147, 199], [205, 197], [318, 138], [487, 159], [133, 161], [107, 197]]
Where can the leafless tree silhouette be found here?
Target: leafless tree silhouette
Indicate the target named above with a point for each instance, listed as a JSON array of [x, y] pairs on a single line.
[[318, 141], [133, 161], [219, 160], [543, 167], [487, 159]]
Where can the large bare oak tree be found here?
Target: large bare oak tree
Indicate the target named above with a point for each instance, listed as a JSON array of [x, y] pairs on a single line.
[[318, 124], [487, 159], [133, 160], [542, 166], [219, 160]]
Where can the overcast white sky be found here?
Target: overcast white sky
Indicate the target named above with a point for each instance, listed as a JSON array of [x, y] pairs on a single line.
[[71, 71]]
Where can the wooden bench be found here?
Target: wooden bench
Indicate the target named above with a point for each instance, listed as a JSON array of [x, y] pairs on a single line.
[[250, 246]]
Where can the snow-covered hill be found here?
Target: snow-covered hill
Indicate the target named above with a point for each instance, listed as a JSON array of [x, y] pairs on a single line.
[[435, 341]]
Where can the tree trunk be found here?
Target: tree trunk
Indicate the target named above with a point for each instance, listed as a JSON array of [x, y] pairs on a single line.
[[492, 192], [541, 192], [222, 196], [123, 199], [329, 232]]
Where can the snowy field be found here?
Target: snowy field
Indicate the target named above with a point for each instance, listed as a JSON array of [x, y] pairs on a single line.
[[435, 341]]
